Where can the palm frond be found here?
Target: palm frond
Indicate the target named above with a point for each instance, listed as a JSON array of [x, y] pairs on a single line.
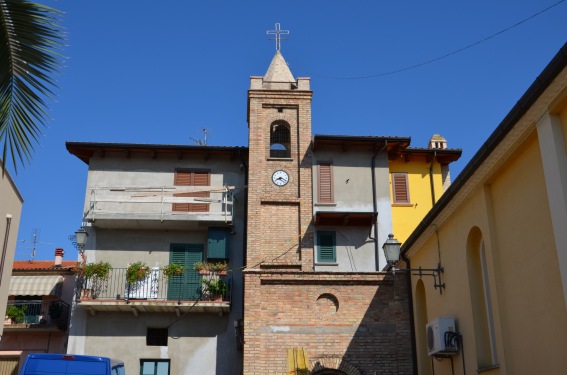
[[31, 41]]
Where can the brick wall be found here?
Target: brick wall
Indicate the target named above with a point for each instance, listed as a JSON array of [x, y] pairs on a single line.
[[355, 322]]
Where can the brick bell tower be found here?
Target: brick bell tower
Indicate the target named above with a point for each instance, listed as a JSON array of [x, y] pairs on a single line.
[[279, 189]]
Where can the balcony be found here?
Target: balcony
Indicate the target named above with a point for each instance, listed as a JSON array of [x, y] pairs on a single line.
[[167, 207], [40, 315], [155, 293]]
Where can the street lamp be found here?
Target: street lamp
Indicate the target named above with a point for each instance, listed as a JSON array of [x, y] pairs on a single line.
[[392, 250], [81, 239]]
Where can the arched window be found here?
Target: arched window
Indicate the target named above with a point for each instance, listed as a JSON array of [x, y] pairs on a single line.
[[480, 300], [280, 140]]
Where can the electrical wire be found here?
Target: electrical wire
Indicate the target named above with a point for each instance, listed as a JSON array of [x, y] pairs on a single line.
[[427, 62]]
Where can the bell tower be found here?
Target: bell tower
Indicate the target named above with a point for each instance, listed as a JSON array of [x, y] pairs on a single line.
[[279, 189]]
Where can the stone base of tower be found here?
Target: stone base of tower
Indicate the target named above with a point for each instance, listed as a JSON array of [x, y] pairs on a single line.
[[357, 323]]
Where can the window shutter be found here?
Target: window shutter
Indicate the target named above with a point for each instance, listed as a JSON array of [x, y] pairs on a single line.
[[217, 246], [400, 187], [326, 247], [192, 178], [325, 183]]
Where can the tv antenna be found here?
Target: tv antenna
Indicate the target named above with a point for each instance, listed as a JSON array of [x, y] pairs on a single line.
[[34, 242], [201, 142]]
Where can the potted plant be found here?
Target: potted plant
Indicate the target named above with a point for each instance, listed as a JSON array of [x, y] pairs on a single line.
[[217, 288], [204, 268], [172, 269], [136, 271], [99, 270], [94, 276], [17, 314], [221, 268]]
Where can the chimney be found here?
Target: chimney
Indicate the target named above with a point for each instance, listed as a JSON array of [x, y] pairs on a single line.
[[58, 257]]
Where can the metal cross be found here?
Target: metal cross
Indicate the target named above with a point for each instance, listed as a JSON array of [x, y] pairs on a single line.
[[277, 31]]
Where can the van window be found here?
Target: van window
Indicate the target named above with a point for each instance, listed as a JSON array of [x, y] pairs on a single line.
[[118, 370]]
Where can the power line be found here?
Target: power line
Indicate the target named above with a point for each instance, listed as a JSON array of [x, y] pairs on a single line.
[[448, 54]]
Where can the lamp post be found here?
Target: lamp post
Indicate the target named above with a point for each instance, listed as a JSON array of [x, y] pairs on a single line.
[[392, 250]]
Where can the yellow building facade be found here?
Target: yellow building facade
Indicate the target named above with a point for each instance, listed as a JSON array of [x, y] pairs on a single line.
[[499, 232], [426, 171]]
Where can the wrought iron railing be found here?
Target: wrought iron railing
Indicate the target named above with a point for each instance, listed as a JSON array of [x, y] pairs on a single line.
[[54, 312], [188, 286]]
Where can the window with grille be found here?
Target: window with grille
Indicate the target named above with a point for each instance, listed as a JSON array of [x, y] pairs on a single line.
[[192, 177], [400, 190], [326, 247], [280, 140], [325, 185]]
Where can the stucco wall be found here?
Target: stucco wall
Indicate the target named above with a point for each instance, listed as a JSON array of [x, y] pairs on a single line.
[[405, 217], [512, 214], [10, 204], [353, 192]]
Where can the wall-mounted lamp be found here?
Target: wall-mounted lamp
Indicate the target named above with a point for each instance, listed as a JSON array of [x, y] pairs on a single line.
[[81, 239], [392, 249]]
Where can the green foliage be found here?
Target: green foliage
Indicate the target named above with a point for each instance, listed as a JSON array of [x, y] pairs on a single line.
[[137, 271], [99, 270], [216, 287], [16, 313], [202, 266], [31, 40], [214, 267], [173, 269], [219, 266]]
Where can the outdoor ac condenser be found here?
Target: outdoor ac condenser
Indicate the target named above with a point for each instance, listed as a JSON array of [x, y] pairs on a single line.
[[441, 337]]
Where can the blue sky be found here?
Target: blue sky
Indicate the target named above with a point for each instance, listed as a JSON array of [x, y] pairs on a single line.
[[159, 72]]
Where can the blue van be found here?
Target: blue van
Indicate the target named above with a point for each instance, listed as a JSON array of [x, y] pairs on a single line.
[[70, 364]]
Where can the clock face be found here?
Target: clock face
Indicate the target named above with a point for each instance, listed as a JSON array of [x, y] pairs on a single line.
[[280, 178]]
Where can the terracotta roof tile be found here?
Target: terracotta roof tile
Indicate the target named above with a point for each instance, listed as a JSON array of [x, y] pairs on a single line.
[[41, 265]]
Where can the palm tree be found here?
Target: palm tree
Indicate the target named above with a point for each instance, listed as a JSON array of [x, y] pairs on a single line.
[[30, 44]]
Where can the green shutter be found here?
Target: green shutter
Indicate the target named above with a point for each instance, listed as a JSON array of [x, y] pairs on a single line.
[[188, 285], [326, 243], [218, 243]]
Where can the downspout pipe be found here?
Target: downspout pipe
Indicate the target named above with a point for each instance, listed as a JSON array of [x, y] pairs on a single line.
[[431, 182], [375, 205], [412, 323], [5, 246]]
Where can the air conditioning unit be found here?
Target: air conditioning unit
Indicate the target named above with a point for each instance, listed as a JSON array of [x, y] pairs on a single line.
[[441, 337]]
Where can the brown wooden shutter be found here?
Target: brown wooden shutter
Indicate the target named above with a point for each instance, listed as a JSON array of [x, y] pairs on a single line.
[[400, 187], [325, 183], [192, 178]]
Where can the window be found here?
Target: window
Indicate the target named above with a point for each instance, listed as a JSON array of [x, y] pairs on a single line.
[[325, 186], [192, 177], [280, 140], [400, 188], [326, 243], [156, 337], [154, 366]]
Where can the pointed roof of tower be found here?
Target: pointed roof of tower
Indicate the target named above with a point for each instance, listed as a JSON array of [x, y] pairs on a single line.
[[278, 70]]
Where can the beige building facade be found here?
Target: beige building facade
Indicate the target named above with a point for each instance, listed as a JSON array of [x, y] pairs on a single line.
[[10, 212], [499, 234]]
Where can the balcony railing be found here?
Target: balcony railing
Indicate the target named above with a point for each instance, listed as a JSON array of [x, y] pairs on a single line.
[[161, 203], [40, 313], [189, 286]]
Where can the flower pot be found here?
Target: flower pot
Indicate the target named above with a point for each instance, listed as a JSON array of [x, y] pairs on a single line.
[[222, 273], [204, 272]]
